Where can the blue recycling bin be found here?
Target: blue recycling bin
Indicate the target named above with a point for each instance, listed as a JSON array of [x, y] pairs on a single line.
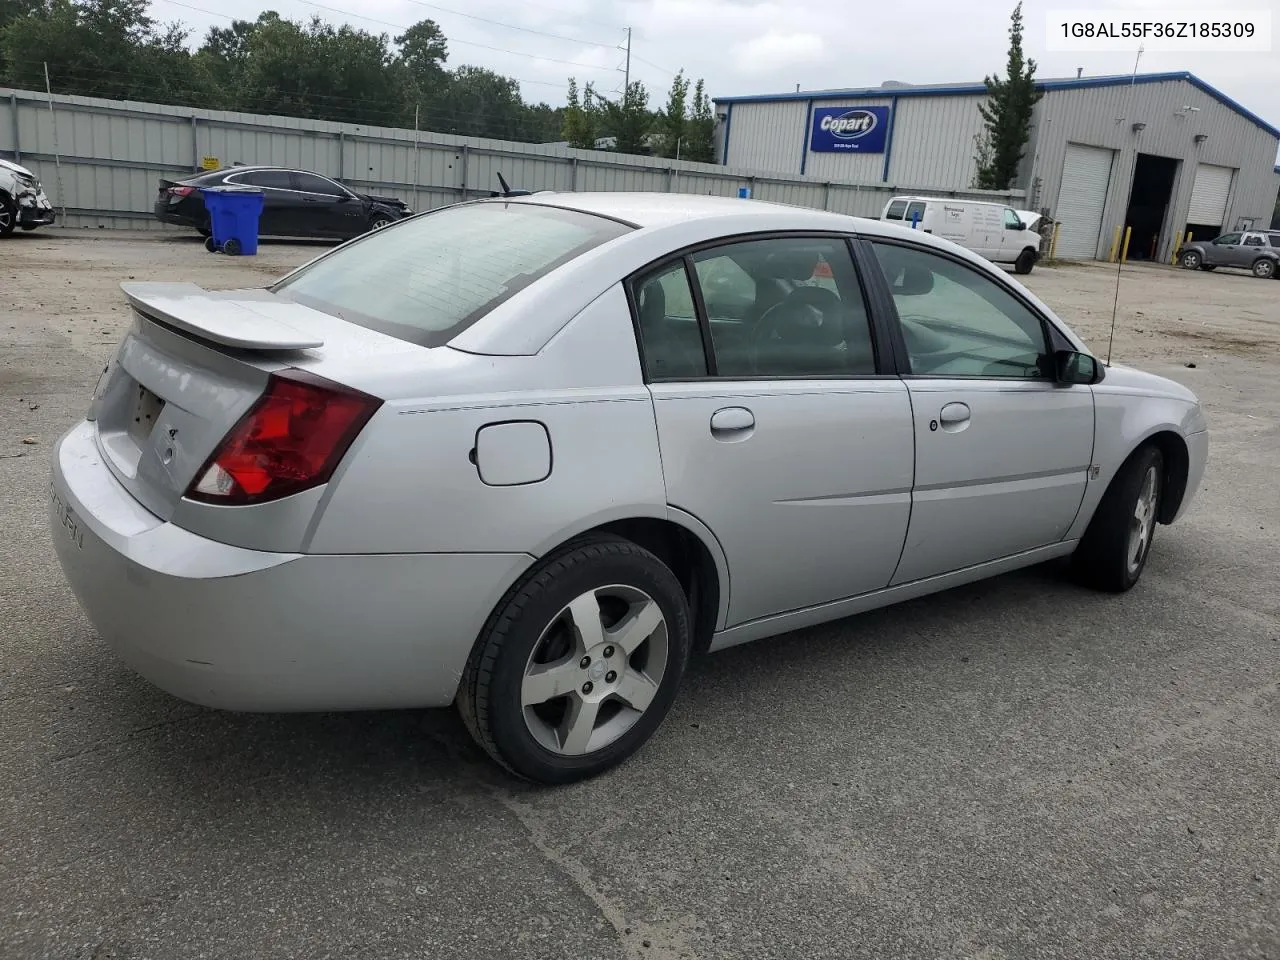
[[234, 212]]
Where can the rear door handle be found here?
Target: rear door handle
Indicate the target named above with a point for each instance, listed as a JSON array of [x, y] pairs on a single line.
[[732, 423]]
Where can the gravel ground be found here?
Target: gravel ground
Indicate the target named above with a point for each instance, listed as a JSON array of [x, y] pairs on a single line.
[[1014, 769]]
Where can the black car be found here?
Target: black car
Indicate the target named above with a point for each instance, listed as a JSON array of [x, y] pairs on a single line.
[[296, 203]]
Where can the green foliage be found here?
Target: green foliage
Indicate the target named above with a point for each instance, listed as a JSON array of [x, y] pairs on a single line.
[[112, 49], [105, 48], [628, 120], [701, 128], [1007, 115], [674, 121], [581, 117]]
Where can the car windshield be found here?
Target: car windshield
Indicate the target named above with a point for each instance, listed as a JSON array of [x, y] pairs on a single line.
[[428, 278]]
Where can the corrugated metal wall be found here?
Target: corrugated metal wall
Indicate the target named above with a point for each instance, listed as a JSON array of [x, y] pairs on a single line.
[[1104, 117], [113, 153], [933, 143], [933, 140]]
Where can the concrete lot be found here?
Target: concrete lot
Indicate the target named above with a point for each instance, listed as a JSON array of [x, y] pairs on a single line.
[[1015, 769]]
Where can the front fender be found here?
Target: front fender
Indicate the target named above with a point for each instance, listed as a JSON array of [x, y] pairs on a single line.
[[1124, 419]]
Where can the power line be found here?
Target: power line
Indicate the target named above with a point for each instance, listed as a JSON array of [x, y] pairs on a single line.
[[650, 63], [401, 26], [511, 26]]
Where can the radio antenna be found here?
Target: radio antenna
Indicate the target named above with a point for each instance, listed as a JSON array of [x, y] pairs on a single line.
[[1115, 302]]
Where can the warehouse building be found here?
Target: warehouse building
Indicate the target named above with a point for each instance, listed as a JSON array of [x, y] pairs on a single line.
[[1162, 153]]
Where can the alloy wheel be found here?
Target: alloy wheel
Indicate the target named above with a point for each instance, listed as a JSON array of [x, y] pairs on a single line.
[[595, 670], [1142, 523]]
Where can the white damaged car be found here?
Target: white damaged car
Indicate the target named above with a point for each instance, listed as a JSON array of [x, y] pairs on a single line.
[[23, 202]]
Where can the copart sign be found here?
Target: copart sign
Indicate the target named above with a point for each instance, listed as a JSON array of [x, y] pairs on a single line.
[[853, 129]]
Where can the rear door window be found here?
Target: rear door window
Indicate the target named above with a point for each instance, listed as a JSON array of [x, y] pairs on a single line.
[[310, 183], [435, 275], [270, 179]]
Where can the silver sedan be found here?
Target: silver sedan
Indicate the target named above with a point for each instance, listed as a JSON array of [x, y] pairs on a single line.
[[526, 455]]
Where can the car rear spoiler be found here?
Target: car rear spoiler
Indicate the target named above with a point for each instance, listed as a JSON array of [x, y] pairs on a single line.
[[245, 320]]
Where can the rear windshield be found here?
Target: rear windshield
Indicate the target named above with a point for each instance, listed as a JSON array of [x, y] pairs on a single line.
[[429, 278]]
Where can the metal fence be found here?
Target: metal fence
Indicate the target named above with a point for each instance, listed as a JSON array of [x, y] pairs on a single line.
[[100, 161]]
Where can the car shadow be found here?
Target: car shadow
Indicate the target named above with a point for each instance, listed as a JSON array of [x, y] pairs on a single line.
[[362, 756]]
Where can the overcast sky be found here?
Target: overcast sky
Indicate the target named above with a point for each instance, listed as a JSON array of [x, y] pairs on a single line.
[[762, 46]]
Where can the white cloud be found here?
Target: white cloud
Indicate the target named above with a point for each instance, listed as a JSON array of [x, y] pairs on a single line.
[[763, 46], [775, 50]]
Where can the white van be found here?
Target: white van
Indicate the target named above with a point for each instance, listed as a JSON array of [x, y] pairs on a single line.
[[991, 230]]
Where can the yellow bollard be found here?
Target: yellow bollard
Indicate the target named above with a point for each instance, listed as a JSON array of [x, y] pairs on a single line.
[[1115, 246], [1053, 243], [1124, 254], [1173, 257]]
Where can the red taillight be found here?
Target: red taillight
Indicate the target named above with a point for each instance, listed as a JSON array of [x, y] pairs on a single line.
[[181, 191], [290, 440]]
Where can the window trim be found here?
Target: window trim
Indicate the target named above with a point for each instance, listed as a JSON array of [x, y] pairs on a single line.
[[881, 347], [1055, 339]]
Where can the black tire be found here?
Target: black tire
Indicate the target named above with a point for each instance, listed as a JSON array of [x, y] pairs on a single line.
[[379, 221], [8, 216], [489, 695], [231, 248], [1190, 260], [1264, 268], [1102, 559], [210, 245], [1026, 260]]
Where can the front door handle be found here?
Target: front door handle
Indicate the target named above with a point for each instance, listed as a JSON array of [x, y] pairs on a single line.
[[954, 417], [732, 423]]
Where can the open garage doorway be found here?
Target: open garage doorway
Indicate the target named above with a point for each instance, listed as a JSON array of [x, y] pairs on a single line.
[[1149, 201]]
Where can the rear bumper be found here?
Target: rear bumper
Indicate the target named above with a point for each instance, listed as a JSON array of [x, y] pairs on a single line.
[[183, 214], [242, 629]]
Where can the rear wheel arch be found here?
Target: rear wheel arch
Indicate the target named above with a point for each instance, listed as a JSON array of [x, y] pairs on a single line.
[[689, 558], [697, 564]]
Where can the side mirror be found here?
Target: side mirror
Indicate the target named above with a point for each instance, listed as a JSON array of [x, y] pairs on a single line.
[[1072, 367], [1015, 226]]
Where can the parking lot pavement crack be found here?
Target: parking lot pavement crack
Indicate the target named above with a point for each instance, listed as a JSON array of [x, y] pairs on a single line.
[[115, 742], [580, 877]]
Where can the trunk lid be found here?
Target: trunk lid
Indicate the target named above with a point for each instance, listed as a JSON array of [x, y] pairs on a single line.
[[195, 361]]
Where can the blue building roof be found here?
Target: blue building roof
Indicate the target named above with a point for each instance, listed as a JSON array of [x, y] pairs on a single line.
[[970, 89]]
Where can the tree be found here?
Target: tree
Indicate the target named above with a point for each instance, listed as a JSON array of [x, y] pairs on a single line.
[[579, 127], [423, 75], [674, 121], [1007, 115], [628, 119], [113, 49], [482, 103], [100, 48], [700, 142]]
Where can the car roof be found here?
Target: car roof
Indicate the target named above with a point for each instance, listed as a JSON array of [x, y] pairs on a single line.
[[664, 222], [653, 210]]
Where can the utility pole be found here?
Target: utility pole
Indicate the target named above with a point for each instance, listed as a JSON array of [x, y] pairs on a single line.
[[626, 76]]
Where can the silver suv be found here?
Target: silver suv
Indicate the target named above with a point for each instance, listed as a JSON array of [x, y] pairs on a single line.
[[1254, 250]]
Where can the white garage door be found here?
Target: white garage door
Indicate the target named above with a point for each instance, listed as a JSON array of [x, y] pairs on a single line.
[[1209, 195], [1086, 174]]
